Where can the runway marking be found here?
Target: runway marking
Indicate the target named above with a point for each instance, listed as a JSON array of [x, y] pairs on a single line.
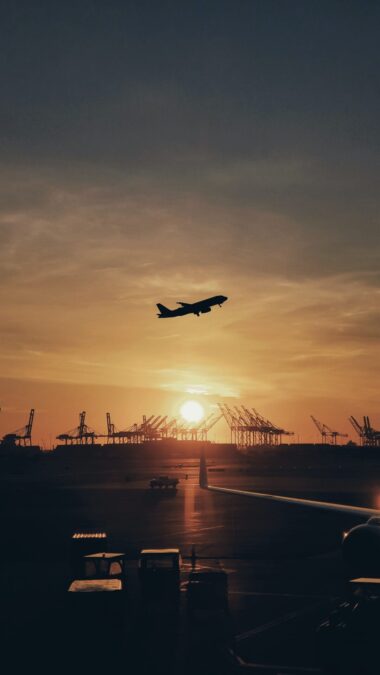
[[202, 566], [212, 527], [293, 596], [188, 565], [191, 530], [194, 530], [276, 622]]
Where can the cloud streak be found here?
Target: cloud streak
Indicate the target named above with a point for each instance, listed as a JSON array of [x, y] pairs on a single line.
[[190, 163]]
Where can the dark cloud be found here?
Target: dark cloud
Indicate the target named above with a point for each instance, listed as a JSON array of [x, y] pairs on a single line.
[[163, 151]]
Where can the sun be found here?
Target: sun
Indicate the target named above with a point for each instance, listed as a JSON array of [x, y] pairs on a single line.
[[192, 411]]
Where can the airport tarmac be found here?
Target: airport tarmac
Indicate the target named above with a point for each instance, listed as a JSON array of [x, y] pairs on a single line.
[[283, 561]]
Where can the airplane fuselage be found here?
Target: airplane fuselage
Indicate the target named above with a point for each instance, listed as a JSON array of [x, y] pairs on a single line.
[[197, 308]]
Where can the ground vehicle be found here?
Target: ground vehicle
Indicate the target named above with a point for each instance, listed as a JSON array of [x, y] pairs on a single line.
[[159, 575], [91, 560], [105, 565], [164, 482], [207, 590], [95, 595]]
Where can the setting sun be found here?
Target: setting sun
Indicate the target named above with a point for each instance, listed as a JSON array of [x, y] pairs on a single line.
[[192, 411]]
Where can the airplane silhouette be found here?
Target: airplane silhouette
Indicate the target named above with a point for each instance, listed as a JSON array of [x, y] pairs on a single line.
[[201, 307]]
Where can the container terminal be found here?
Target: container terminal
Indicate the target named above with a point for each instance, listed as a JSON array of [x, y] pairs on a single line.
[[249, 432]]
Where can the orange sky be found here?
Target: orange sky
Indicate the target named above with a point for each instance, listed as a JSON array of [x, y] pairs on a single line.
[[79, 326], [166, 154]]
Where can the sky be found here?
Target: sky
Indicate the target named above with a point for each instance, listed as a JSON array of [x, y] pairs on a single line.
[[169, 151]]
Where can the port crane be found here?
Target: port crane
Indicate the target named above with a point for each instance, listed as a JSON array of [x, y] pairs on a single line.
[[249, 428], [121, 436], [110, 427], [327, 434], [367, 434], [211, 421], [358, 428], [371, 434], [152, 431], [81, 434], [167, 429], [232, 422], [193, 431], [23, 435], [137, 432], [199, 431]]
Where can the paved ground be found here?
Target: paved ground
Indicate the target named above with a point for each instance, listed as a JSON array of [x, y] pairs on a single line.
[[283, 561]]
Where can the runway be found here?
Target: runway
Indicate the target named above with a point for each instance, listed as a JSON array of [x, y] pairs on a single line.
[[283, 561]]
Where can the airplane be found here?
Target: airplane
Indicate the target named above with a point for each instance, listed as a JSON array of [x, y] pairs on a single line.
[[201, 307], [360, 545]]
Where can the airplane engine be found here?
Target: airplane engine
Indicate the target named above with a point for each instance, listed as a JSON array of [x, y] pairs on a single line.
[[207, 309], [361, 549]]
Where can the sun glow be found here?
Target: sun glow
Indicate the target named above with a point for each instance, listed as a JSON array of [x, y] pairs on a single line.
[[192, 411]]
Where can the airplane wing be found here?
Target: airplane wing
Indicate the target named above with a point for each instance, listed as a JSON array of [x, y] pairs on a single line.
[[184, 304], [327, 506]]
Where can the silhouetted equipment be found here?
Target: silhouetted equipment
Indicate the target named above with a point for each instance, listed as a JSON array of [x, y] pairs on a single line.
[[105, 565], [357, 427], [188, 431], [95, 594], [152, 430], [157, 428], [159, 575], [82, 434], [83, 543], [248, 428], [94, 586], [22, 436], [208, 425], [130, 435], [367, 434], [96, 617], [327, 434], [90, 558], [110, 427], [164, 482], [197, 308], [166, 429]]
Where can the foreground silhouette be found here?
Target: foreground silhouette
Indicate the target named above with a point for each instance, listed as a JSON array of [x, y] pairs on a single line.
[[200, 307]]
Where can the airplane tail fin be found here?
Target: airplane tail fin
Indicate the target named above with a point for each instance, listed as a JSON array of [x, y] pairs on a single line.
[[164, 311], [203, 477]]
